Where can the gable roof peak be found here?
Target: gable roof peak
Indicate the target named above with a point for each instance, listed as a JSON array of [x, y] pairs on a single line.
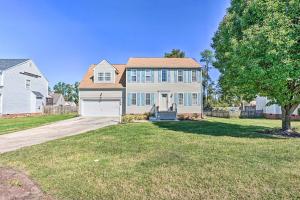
[[8, 63]]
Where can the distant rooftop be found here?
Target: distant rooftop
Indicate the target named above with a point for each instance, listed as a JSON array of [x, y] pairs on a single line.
[[8, 63]]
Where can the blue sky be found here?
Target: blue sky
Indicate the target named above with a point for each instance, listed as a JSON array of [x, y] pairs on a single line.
[[64, 37]]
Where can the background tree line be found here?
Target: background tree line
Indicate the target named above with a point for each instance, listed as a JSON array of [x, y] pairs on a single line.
[[69, 91]]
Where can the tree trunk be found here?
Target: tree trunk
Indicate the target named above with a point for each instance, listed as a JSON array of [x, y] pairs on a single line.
[[286, 120]]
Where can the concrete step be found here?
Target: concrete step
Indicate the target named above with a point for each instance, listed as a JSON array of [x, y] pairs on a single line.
[[167, 115]]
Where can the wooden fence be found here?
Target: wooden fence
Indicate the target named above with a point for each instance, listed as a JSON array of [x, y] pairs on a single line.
[[56, 110], [252, 114], [235, 114], [222, 113]]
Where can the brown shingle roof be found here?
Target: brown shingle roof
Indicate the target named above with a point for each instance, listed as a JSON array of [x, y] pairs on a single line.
[[162, 62], [87, 82]]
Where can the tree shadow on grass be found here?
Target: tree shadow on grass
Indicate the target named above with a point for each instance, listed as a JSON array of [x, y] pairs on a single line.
[[216, 129]]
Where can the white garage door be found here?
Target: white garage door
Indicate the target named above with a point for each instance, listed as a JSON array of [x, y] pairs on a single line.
[[102, 108]]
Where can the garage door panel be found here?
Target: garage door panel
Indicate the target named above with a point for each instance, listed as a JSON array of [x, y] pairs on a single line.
[[100, 108]]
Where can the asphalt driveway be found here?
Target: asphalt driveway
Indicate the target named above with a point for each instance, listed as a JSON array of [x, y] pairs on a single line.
[[74, 126]]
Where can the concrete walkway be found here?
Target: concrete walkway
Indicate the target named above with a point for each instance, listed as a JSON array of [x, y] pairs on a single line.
[[74, 126]]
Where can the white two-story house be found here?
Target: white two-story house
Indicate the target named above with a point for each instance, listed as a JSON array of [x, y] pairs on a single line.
[[141, 85], [23, 88]]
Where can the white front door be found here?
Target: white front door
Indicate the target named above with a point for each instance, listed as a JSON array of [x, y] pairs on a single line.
[[163, 103]]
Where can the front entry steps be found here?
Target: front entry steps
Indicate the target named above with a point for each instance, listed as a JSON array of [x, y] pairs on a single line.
[[165, 116]]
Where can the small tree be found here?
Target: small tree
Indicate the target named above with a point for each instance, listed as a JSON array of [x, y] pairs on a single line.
[[175, 53], [257, 49], [207, 57]]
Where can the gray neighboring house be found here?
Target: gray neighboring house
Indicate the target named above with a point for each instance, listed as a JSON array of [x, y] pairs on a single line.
[[55, 99], [23, 88], [140, 86]]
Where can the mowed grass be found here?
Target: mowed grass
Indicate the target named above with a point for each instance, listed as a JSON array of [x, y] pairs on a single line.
[[8, 125], [210, 159]]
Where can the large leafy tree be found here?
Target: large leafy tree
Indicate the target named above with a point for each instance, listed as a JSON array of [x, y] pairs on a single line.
[[69, 91], [175, 53], [207, 58], [257, 49]]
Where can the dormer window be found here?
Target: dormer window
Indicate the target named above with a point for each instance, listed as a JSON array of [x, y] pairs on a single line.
[[104, 77], [107, 76], [101, 76]]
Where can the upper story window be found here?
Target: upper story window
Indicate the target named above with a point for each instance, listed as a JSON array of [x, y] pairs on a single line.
[[133, 99], [164, 75], [133, 76], [101, 76], [180, 76], [27, 84], [148, 99], [104, 76], [107, 76], [194, 76], [148, 75], [180, 98], [194, 98]]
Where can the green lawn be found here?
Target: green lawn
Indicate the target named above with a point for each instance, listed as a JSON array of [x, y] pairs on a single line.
[[8, 125], [211, 159]]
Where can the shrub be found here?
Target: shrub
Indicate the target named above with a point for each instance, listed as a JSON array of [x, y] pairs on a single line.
[[133, 117], [189, 116]]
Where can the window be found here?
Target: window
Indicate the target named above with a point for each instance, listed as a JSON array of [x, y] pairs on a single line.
[[194, 76], [194, 98], [164, 75], [148, 99], [27, 85], [180, 98], [133, 76], [107, 76], [133, 99], [148, 75], [180, 76], [101, 76]]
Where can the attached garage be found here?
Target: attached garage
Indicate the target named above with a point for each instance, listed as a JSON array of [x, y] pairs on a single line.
[[101, 108]]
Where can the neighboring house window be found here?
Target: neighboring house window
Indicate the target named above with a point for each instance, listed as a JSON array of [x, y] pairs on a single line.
[[107, 76], [148, 75], [147, 99], [180, 98], [194, 98], [27, 85], [133, 76], [101, 76], [133, 99], [164, 75], [180, 76], [194, 76]]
